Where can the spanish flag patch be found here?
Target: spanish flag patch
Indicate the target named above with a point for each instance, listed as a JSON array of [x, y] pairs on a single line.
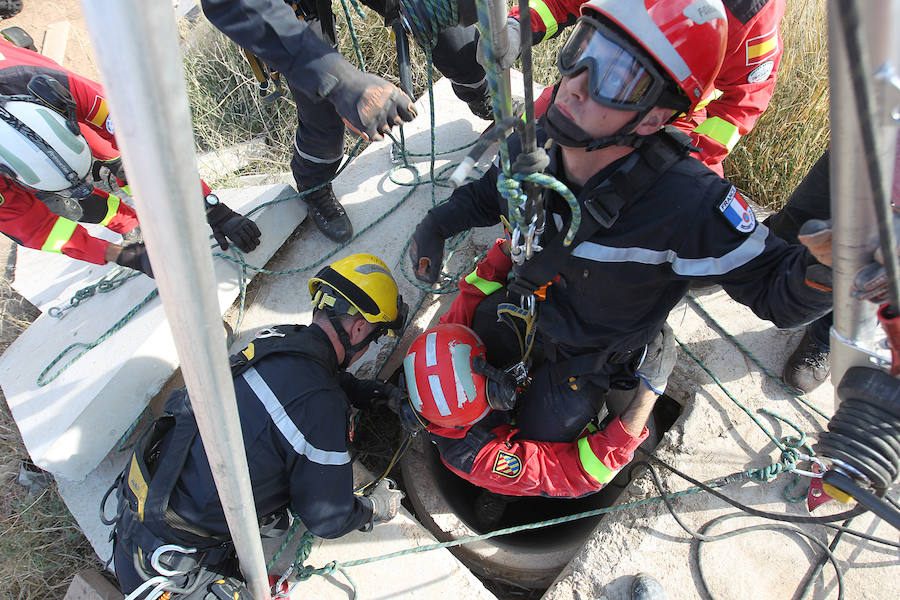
[[99, 112], [762, 47]]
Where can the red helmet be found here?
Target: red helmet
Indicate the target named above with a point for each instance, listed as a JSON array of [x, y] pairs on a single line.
[[441, 377], [686, 38]]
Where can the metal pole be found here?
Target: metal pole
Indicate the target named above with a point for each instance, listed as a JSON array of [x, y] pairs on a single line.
[[852, 204], [138, 51]]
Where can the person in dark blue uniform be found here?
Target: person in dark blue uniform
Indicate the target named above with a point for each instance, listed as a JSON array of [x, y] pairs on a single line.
[[294, 399], [330, 92], [653, 219]]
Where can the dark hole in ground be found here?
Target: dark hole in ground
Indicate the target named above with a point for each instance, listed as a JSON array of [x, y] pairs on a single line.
[[378, 435]]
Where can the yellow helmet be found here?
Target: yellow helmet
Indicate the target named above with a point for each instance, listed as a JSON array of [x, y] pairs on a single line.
[[360, 283]]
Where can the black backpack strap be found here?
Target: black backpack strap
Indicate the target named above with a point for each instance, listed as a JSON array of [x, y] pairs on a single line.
[[604, 204]]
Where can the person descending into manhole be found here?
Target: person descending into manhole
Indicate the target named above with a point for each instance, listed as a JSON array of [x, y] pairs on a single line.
[[467, 407], [294, 398], [55, 132], [653, 219]]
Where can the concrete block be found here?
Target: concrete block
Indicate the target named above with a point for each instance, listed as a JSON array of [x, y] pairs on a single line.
[[91, 585], [70, 424], [219, 163], [56, 38]]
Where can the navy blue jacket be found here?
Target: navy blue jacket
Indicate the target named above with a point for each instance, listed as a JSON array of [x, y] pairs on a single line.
[[294, 416], [617, 288]]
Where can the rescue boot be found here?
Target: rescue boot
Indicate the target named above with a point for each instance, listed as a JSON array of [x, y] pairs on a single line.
[[328, 214], [808, 366], [489, 509], [644, 587]]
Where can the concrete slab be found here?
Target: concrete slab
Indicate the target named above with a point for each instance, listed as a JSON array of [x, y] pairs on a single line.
[[91, 585], [71, 423], [714, 438]]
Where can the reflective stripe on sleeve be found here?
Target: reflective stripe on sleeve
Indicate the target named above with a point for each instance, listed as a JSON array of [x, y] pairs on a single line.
[[112, 207], [60, 234], [720, 130], [592, 465], [544, 12], [484, 286], [287, 427]]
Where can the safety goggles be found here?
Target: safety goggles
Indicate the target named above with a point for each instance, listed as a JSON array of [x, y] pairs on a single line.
[[620, 76]]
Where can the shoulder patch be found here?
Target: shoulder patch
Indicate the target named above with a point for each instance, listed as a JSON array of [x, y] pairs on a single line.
[[737, 212], [762, 47], [762, 72], [507, 464], [98, 113]]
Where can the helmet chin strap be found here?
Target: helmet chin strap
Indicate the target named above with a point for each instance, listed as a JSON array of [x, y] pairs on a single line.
[[350, 350], [566, 133]]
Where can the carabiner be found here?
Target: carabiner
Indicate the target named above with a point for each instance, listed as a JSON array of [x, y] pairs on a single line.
[[810, 474], [157, 554]]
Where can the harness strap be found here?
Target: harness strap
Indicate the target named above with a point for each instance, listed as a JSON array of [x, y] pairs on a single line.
[[625, 186]]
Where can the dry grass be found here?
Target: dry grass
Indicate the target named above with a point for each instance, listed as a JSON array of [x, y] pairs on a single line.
[[791, 135]]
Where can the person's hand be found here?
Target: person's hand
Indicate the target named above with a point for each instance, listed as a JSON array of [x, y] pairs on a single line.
[[662, 353], [512, 49], [426, 250], [368, 104], [397, 400], [229, 225], [815, 234], [385, 501], [134, 256]]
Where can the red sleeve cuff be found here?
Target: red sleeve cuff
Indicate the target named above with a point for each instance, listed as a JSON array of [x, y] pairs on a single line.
[[619, 436]]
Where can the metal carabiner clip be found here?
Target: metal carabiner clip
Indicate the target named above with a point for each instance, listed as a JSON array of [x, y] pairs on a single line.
[[267, 333], [516, 250], [527, 303], [157, 555], [810, 474]]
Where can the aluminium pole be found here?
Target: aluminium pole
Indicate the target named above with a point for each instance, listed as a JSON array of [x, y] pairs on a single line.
[[852, 197], [139, 54]]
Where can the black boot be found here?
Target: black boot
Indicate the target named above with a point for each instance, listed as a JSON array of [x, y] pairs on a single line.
[[328, 214], [808, 366]]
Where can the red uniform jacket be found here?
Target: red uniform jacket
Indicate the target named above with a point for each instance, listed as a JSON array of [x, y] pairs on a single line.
[[507, 465], [23, 216], [743, 87]]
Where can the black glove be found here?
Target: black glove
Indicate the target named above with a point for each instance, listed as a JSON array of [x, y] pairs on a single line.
[[426, 250], [134, 256], [397, 400], [385, 501], [115, 168], [368, 104], [235, 226]]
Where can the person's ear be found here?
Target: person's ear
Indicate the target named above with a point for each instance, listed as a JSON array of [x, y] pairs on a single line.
[[653, 121], [359, 329]]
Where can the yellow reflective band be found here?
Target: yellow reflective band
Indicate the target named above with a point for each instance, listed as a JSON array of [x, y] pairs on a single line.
[[112, 207], [713, 95], [484, 286], [720, 130], [59, 235], [127, 189], [593, 465], [546, 15]]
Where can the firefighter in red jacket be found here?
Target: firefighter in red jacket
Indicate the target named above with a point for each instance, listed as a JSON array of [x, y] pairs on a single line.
[[743, 87], [55, 130], [467, 407]]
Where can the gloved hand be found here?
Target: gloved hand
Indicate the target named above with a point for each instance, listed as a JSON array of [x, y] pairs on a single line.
[[134, 256], [235, 226], [426, 250], [115, 167], [397, 400], [385, 501], [512, 49], [368, 104], [662, 353], [815, 234]]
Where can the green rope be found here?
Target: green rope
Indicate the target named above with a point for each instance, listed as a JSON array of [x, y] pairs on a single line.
[[42, 381], [793, 392], [109, 282]]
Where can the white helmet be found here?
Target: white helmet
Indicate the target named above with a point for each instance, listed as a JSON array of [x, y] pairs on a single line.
[[39, 150]]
